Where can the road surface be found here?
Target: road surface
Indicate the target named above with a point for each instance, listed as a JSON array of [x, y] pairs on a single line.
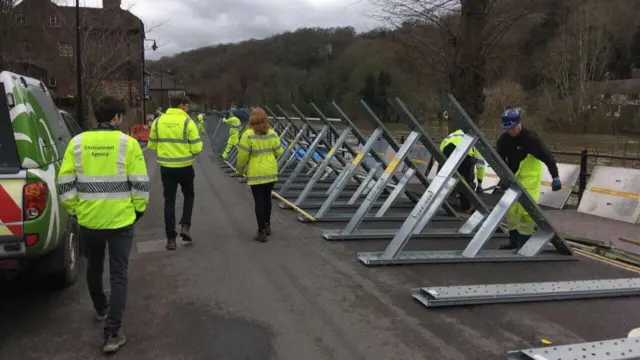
[[296, 297]]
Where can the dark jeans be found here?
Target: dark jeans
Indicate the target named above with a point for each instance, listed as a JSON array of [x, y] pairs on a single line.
[[466, 170], [119, 243], [262, 199], [171, 178]]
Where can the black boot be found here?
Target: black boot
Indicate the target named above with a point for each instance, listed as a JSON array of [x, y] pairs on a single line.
[[523, 239], [261, 236], [184, 233], [268, 230], [513, 241]]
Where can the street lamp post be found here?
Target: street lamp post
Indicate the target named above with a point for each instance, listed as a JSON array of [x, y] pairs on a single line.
[[154, 47], [79, 109]]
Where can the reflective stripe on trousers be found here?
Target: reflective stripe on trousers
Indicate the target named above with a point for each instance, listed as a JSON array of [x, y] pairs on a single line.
[[103, 187]]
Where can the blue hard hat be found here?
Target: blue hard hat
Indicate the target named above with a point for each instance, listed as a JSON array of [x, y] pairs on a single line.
[[510, 118]]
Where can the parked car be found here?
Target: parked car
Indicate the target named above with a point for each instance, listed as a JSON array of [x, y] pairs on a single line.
[[35, 229]]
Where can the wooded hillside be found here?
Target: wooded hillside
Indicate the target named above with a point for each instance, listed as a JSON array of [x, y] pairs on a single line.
[[551, 58]]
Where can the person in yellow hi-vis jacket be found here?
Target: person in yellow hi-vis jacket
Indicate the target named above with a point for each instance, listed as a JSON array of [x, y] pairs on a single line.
[[234, 132], [104, 183], [448, 145], [258, 151], [174, 136], [201, 127], [524, 152]]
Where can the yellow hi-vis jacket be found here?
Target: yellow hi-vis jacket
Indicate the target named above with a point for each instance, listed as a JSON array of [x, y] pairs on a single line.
[[176, 139], [258, 154], [234, 126], [201, 123], [455, 138], [103, 179]]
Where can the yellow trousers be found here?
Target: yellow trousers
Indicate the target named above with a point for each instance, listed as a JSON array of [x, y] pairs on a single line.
[[530, 175], [231, 142]]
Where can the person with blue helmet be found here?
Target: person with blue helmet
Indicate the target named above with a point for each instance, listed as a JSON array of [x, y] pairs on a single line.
[[524, 152]]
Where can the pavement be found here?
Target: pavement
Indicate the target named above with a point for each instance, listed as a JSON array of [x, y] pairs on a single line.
[[296, 297]]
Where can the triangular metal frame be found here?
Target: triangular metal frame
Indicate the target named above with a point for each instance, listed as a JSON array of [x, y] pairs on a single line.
[[428, 204]]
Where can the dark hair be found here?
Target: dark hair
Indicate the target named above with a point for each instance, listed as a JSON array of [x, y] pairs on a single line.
[[259, 121], [177, 100], [107, 107]]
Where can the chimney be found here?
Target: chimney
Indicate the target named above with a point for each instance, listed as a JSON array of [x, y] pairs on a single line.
[[111, 4]]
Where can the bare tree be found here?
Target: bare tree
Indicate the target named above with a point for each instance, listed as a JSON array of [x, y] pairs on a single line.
[[8, 22], [579, 54], [455, 38]]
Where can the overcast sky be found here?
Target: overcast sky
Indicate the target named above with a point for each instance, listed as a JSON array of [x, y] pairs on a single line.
[[180, 25]]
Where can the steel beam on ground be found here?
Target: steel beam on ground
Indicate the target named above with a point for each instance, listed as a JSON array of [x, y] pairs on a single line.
[[439, 296], [444, 183], [617, 349]]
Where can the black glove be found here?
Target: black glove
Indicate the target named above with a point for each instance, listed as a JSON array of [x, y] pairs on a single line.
[[138, 216]]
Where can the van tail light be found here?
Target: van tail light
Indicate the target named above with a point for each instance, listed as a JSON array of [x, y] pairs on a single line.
[[36, 197]]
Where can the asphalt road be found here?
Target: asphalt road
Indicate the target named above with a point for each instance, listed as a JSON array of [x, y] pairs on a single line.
[[297, 297]]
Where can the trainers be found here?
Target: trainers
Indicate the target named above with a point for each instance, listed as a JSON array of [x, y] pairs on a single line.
[[102, 315], [113, 342], [268, 230], [261, 236], [171, 244], [184, 234]]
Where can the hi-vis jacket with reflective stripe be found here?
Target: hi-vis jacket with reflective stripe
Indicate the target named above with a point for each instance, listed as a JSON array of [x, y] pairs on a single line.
[[103, 179], [257, 154], [176, 139], [234, 126], [455, 138]]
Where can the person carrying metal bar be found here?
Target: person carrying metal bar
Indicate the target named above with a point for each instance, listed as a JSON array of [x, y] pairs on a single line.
[[234, 131], [174, 136], [258, 151], [473, 158], [524, 152], [103, 182]]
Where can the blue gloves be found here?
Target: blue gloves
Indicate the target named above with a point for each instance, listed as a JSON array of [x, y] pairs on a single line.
[[556, 184]]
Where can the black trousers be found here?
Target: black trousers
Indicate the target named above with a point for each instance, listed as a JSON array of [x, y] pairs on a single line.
[[171, 178], [262, 199], [466, 170], [119, 242]]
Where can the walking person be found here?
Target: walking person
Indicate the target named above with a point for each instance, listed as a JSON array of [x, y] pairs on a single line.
[[175, 138], [524, 152], [104, 183], [258, 151]]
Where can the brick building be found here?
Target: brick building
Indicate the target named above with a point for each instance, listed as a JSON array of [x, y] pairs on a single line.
[[112, 44]]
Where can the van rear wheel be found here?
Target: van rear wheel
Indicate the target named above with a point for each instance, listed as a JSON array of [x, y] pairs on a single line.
[[67, 257]]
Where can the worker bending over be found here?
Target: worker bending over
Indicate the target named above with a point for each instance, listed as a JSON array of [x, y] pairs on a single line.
[[448, 146], [524, 152], [175, 138], [103, 182], [234, 131]]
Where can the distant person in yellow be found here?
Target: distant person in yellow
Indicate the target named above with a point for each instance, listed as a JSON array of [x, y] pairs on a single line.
[[201, 127], [234, 132], [258, 152], [175, 138]]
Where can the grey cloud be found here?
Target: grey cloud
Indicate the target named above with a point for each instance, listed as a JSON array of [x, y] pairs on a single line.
[[207, 22]]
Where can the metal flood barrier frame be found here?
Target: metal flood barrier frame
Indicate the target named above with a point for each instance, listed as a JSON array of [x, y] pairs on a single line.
[[441, 296], [417, 134], [616, 349], [342, 179], [433, 197]]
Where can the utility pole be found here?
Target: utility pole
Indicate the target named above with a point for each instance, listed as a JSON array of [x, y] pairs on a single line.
[[161, 88], [79, 109]]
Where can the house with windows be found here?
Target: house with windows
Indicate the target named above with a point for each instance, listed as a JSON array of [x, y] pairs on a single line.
[[43, 46]]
